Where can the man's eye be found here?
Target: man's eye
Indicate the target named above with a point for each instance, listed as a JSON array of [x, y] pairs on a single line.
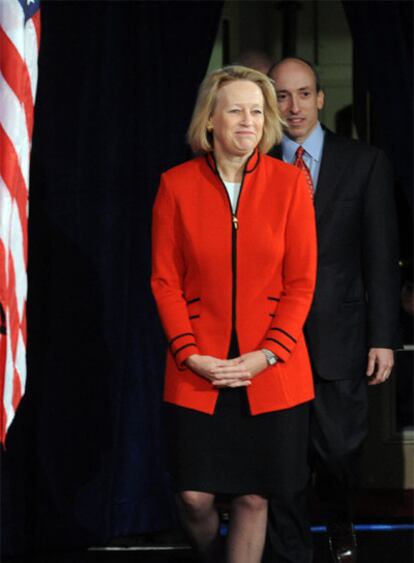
[[305, 94], [281, 97]]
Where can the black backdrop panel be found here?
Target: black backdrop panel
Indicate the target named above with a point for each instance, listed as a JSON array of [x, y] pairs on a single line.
[[382, 34], [85, 455]]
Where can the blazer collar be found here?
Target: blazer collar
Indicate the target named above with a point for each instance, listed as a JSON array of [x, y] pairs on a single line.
[[251, 164]]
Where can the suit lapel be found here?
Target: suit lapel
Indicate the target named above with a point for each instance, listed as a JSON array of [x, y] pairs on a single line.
[[330, 171], [332, 163]]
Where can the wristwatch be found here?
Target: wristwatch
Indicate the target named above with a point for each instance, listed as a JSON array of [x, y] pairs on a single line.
[[271, 358]]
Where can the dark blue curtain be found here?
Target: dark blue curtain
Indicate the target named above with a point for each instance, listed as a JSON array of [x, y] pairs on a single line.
[[382, 35], [84, 459]]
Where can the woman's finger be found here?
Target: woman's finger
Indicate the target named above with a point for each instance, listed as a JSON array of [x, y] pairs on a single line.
[[231, 383]]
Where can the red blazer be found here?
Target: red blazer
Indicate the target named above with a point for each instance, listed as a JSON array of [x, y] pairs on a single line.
[[252, 271]]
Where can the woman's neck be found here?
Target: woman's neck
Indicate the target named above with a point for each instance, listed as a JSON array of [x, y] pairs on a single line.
[[231, 167]]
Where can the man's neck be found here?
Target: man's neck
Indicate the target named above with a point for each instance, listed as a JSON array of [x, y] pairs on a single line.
[[302, 140]]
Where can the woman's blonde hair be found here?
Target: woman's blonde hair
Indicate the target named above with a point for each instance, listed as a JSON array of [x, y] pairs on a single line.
[[198, 136]]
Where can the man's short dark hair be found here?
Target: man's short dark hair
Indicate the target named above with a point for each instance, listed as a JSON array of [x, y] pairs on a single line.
[[309, 64]]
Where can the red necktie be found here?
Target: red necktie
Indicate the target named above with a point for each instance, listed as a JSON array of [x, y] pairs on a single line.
[[300, 163]]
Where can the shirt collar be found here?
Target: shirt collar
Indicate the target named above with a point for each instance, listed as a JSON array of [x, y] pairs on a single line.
[[313, 145]]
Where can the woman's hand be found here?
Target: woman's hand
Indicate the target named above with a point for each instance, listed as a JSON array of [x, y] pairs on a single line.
[[253, 362], [221, 373], [237, 372]]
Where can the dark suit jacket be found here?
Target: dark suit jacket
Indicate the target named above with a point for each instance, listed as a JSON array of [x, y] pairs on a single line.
[[356, 301]]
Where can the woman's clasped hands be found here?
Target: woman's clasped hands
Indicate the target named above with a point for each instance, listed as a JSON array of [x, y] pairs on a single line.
[[237, 372]]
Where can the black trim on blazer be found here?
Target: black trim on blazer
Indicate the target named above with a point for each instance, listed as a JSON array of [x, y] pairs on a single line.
[[194, 317], [191, 301], [212, 164], [182, 348], [280, 344], [207, 157], [234, 229], [285, 333], [180, 336], [274, 299], [271, 314], [3, 326], [256, 163]]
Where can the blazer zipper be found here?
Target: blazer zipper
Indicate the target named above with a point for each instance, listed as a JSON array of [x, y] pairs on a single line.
[[235, 228]]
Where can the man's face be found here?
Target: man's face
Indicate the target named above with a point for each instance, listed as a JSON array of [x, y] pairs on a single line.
[[298, 100]]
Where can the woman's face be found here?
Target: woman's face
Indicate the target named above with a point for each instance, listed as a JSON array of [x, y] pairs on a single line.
[[238, 118]]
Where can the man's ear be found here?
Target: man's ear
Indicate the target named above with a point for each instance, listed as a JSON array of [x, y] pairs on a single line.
[[320, 99]]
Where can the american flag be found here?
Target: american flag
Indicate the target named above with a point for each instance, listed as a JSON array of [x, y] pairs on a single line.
[[19, 45]]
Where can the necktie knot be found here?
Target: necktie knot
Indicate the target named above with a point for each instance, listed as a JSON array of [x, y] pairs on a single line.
[[299, 152]]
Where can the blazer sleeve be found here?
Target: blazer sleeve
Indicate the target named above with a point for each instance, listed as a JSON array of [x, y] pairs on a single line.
[[167, 275], [299, 274], [380, 256]]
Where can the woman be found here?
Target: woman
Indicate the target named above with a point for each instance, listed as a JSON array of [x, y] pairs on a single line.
[[234, 253]]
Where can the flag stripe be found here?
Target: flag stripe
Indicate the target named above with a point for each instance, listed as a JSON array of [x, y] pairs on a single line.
[[21, 354], [13, 121], [12, 176], [37, 25], [4, 199], [31, 54], [18, 236], [13, 313], [12, 22], [16, 74], [8, 409], [5, 207], [17, 390]]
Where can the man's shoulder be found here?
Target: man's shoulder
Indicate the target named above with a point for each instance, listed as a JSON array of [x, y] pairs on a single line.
[[345, 144], [276, 152], [336, 142]]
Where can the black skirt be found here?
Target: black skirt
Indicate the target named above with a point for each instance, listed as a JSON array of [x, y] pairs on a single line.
[[234, 452]]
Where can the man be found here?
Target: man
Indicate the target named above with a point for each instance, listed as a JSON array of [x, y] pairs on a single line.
[[257, 60], [352, 327]]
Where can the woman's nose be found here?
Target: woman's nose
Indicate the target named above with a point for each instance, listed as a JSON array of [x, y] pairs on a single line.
[[246, 117]]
